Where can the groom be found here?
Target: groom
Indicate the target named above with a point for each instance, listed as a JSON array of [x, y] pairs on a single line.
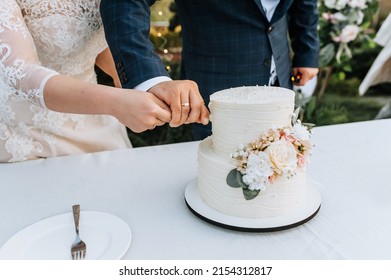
[[226, 43]]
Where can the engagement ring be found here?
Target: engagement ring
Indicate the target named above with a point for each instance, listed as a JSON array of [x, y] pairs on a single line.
[[186, 104]]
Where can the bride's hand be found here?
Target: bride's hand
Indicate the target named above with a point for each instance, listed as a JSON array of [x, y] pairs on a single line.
[[141, 111], [138, 110]]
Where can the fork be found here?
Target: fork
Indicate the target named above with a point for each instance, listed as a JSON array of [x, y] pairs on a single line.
[[79, 248]]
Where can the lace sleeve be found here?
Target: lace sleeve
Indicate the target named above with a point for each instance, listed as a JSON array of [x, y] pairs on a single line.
[[21, 73]]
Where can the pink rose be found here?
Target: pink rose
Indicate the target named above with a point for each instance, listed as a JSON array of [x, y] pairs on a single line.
[[349, 33], [282, 156]]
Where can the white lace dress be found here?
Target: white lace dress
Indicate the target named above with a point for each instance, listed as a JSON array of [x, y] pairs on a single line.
[[39, 39]]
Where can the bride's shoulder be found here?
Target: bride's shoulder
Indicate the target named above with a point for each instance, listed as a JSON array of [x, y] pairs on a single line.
[[8, 5], [10, 13]]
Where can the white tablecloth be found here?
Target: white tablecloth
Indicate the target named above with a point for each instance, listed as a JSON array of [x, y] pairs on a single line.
[[145, 187]]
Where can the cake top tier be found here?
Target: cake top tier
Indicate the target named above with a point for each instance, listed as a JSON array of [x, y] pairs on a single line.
[[253, 95], [240, 115]]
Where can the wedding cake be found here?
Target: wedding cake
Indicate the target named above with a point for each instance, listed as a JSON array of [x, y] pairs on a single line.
[[254, 164]]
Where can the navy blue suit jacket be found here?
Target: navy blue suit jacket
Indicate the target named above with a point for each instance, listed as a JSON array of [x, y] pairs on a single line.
[[225, 43]]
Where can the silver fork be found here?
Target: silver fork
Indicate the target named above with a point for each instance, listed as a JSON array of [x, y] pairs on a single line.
[[79, 248]]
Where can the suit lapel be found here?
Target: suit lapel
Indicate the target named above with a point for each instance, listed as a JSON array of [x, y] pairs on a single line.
[[259, 5], [279, 12]]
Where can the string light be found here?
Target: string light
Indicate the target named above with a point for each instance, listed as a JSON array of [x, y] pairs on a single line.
[[159, 29]]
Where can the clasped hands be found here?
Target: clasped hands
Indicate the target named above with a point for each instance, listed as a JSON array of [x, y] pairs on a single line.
[[174, 102]]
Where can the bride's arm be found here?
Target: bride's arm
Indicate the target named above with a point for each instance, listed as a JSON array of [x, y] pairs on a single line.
[[106, 63], [23, 77], [136, 109], [21, 73]]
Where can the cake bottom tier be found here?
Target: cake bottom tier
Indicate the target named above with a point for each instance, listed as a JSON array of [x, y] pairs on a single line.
[[279, 198]]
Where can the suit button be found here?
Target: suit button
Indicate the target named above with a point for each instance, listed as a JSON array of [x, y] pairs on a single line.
[[270, 29], [266, 62], [119, 65]]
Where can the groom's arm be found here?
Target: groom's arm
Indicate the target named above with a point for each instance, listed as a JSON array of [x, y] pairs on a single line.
[[303, 32], [303, 24], [127, 27]]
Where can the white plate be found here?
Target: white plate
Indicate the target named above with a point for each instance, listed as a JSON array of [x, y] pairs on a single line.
[[294, 218], [107, 237]]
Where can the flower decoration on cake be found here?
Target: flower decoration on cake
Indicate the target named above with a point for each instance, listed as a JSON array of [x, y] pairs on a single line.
[[277, 152]]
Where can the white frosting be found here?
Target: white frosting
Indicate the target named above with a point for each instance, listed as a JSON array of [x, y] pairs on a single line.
[[239, 116]]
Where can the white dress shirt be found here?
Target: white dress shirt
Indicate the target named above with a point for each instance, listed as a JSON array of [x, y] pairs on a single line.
[[269, 6]]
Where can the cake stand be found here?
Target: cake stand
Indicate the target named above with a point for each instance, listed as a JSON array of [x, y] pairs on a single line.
[[299, 216]]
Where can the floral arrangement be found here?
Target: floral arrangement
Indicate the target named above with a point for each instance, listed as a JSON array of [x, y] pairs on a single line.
[[341, 24], [277, 152]]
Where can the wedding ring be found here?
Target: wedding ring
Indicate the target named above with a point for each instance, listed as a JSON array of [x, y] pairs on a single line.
[[185, 104]]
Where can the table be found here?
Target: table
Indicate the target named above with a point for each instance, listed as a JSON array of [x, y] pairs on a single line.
[[145, 187]]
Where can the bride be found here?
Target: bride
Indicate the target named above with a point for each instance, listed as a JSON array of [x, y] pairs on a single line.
[[50, 102]]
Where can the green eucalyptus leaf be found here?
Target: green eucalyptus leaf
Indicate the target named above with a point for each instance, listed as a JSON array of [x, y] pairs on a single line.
[[234, 179], [347, 68], [326, 55], [250, 194]]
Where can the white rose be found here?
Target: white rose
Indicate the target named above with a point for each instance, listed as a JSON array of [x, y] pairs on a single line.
[[361, 4], [349, 33], [258, 170], [360, 17], [337, 17], [282, 155], [329, 3], [335, 4]]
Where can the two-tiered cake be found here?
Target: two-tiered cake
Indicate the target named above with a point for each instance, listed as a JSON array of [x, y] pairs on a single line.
[[253, 167]]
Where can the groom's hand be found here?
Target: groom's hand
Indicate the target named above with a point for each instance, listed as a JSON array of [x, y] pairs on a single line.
[[184, 100], [303, 75]]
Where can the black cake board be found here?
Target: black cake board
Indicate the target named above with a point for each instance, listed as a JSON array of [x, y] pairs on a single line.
[[295, 218]]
